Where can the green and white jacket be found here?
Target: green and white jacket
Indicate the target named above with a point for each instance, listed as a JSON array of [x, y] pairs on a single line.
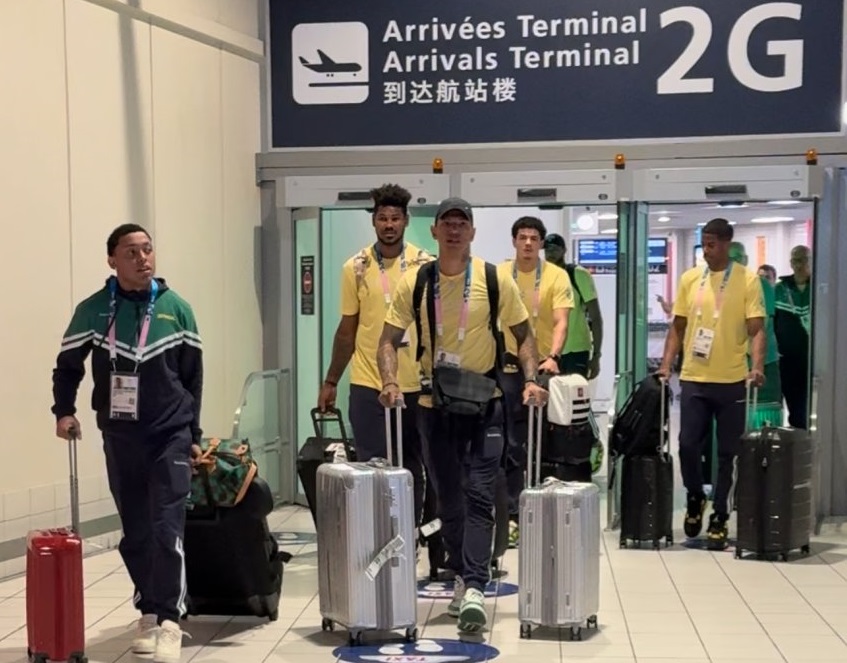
[[170, 371]]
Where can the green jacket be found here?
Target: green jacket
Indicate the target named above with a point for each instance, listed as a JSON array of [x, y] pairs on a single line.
[[792, 321], [170, 371]]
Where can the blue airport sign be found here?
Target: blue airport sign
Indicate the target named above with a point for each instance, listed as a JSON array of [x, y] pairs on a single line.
[[378, 72]]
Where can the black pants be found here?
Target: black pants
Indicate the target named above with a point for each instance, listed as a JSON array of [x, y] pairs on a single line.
[[150, 479], [463, 454], [794, 376], [367, 416], [575, 362], [516, 416], [700, 403]]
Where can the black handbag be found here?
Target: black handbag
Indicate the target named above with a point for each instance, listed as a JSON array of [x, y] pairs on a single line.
[[458, 391]]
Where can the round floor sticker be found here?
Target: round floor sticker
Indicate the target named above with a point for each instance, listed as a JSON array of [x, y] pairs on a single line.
[[422, 651], [295, 538], [428, 589]]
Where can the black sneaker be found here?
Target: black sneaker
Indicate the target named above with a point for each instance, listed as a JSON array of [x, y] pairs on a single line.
[[718, 532], [694, 516]]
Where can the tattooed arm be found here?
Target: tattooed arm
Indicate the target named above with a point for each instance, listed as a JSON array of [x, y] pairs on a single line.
[[386, 360]]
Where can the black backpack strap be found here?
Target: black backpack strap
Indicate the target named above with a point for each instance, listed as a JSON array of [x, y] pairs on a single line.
[[570, 268], [430, 313], [417, 298], [492, 286]]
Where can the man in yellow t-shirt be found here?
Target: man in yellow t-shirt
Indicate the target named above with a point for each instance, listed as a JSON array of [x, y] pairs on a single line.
[[718, 310], [546, 293], [368, 281], [461, 429]]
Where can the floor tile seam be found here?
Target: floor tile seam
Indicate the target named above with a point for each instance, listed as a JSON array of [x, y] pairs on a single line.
[[618, 594], [816, 611], [744, 600]]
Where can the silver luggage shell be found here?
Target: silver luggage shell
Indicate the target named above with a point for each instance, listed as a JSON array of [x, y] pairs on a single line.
[[364, 509], [559, 551]]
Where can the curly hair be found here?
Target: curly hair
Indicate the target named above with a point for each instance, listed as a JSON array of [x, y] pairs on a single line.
[[391, 195]]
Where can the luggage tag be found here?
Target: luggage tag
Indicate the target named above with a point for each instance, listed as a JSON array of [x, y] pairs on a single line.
[[339, 453], [444, 358], [431, 528], [392, 549], [703, 340], [123, 396]]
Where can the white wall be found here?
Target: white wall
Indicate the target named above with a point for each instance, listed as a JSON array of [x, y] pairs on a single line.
[[107, 119]]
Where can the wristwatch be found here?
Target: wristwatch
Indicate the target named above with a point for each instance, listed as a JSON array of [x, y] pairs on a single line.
[[554, 357], [530, 380]]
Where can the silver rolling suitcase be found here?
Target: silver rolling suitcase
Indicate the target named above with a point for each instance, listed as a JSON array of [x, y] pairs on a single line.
[[366, 544], [559, 551]]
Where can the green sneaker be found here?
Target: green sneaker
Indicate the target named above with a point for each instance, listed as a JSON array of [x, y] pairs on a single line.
[[514, 534], [458, 597], [472, 617]]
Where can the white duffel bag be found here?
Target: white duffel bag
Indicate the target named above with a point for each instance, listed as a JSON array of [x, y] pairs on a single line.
[[570, 400]]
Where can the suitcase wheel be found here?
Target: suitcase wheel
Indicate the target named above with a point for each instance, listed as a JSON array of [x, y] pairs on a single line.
[[668, 541], [623, 543], [592, 621], [78, 658], [576, 633], [411, 635], [37, 658], [805, 549], [273, 615], [326, 624], [738, 553], [657, 544], [526, 631], [355, 639]]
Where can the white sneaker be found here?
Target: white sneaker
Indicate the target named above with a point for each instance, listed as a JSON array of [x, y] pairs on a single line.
[[169, 643], [472, 617], [458, 596], [146, 629]]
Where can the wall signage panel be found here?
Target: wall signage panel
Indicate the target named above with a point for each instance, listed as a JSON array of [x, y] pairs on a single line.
[[382, 72]]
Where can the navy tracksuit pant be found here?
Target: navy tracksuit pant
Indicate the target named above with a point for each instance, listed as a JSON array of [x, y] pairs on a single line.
[[150, 478]]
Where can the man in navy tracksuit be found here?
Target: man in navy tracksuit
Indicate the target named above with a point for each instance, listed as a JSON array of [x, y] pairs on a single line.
[[147, 366]]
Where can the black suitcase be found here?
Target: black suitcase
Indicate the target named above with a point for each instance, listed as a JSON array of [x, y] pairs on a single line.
[[647, 483], [566, 451], [774, 492], [636, 428], [319, 450], [647, 500], [233, 564]]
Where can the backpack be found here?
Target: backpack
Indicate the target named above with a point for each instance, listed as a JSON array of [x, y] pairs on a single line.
[[426, 274], [221, 472]]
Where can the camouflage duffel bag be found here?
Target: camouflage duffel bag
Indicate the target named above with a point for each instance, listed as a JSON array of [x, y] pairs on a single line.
[[221, 472]]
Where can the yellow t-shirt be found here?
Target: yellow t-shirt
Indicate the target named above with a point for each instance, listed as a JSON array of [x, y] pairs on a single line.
[[362, 294], [742, 300], [477, 352], [554, 292]]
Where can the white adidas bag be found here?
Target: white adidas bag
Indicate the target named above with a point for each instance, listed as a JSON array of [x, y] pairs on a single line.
[[570, 400]]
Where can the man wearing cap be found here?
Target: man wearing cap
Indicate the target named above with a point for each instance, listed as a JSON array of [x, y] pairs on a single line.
[[460, 415], [368, 280], [546, 293], [717, 309], [581, 353]]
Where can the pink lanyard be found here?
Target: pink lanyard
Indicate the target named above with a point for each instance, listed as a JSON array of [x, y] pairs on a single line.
[[536, 300], [386, 286], [145, 326], [466, 295], [718, 296]]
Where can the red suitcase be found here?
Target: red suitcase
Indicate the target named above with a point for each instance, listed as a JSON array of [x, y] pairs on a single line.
[[55, 618]]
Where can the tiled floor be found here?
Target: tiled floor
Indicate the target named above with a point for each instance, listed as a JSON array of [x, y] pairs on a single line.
[[680, 604]]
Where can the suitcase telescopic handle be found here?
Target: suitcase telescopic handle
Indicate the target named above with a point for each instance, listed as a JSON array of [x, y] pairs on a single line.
[[74, 481], [398, 437], [751, 403], [663, 399], [533, 445], [331, 415]]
